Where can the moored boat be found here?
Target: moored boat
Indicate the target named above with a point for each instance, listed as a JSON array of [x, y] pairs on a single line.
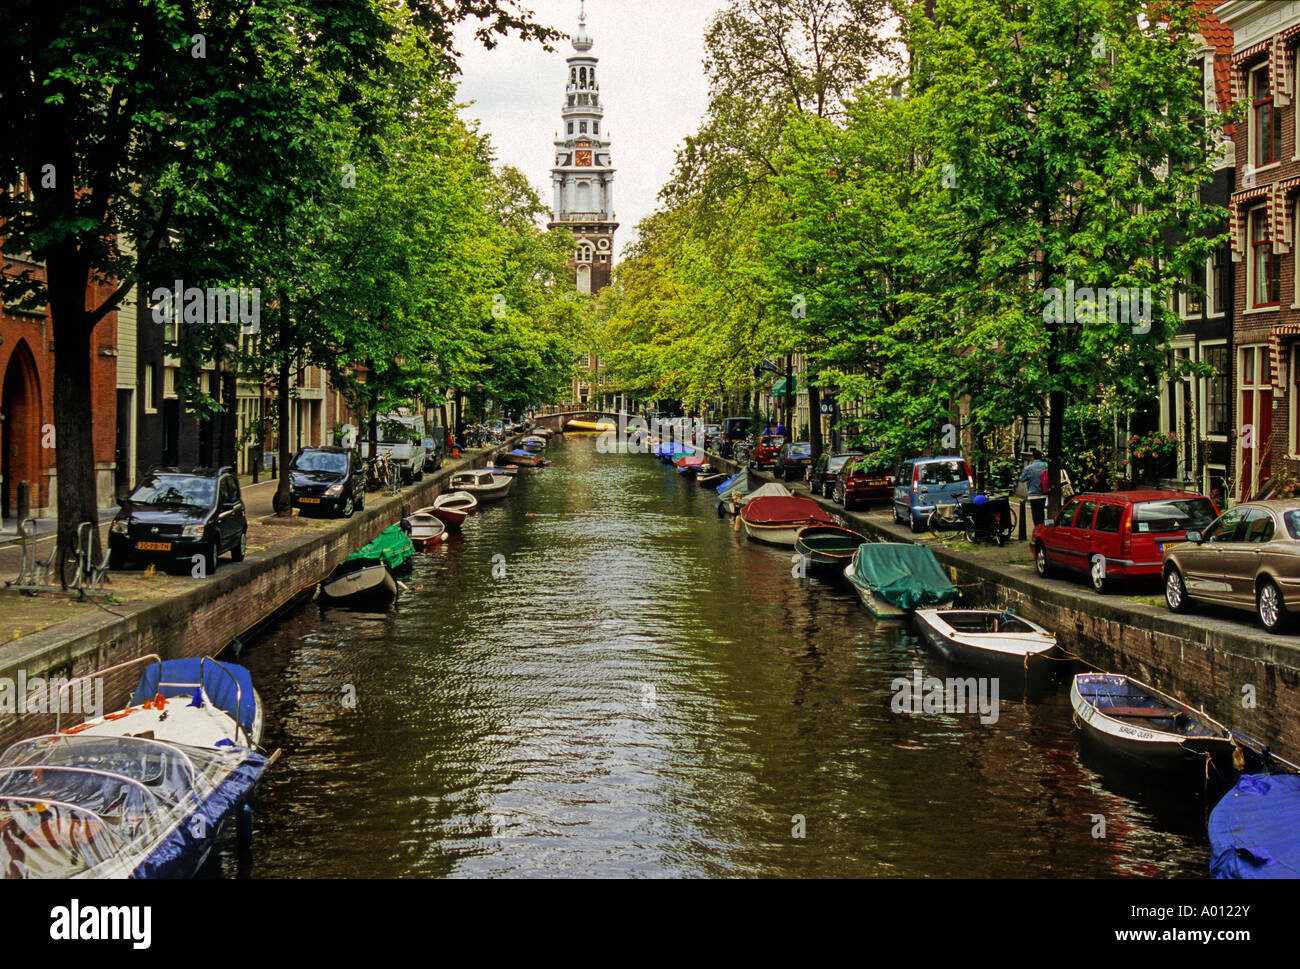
[[392, 548], [997, 643], [827, 547], [777, 519], [453, 507], [485, 485], [893, 578], [143, 792], [362, 588], [1255, 828], [586, 425], [533, 443], [690, 464], [1149, 728], [711, 478], [426, 528], [522, 458]]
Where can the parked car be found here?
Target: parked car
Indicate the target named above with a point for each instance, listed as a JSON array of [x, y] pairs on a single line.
[[1107, 536], [862, 480], [1247, 558], [435, 448], [793, 460], [766, 449], [821, 479], [923, 483], [734, 430], [176, 513], [327, 479]]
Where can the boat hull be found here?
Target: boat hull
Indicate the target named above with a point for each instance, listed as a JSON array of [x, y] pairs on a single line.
[[1033, 661], [774, 533], [874, 604], [368, 589]]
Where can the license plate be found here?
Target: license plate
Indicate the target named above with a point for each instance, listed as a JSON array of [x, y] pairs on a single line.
[[875, 484], [309, 501], [153, 546]]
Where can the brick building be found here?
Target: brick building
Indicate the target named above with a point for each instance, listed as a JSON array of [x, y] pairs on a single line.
[[1265, 361]]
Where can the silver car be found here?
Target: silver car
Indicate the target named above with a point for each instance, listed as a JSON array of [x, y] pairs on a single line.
[[1247, 558]]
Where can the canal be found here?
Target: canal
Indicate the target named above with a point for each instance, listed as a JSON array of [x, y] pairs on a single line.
[[603, 678]]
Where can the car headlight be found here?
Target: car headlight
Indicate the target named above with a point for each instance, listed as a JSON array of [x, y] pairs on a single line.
[[335, 489], [192, 531], [119, 527]]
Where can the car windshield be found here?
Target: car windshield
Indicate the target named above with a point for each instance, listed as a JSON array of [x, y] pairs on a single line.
[[800, 450], [838, 461], [1173, 514], [771, 441], [174, 489], [943, 472], [1292, 519], [321, 461]]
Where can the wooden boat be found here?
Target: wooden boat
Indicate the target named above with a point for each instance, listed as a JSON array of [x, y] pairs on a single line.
[[1149, 728], [711, 480], [777, 520], [1255, 828], [893, 578], [486, 485], [509, 470], [827, 547], [143, 792], [995, 643], [453, 508], [583, 425], [533, 443], [361, 588], [426, 528]]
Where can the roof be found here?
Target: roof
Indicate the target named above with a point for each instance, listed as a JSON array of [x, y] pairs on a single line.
[[1150, 494]]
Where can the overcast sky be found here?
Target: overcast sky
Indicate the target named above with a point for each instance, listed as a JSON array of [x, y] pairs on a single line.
[[651, 80]]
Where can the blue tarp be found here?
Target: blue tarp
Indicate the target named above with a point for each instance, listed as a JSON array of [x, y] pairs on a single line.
[[216, 684], [1255, 829]]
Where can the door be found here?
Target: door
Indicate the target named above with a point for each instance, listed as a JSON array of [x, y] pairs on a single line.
[[1077, 546], [122, 470], [1059, 537], [1239, 560], [1203, 565]]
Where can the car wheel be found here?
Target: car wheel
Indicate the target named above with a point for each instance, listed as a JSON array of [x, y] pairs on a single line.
[[970, 534], [210, 557], [776, 472], [1041, 562], [898, 519], [1176, 590], [348, 507], [241, 547], [1269, 605], [918, 526], [1097, 572]]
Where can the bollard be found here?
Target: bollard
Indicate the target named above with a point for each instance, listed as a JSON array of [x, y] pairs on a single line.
[[1023, 512], [24, 501]]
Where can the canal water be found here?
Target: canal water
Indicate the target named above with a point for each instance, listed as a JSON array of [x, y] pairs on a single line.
[[601, 677]]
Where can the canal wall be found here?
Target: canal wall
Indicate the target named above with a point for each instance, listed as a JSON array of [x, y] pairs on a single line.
[[206, 616], [1243, 676]]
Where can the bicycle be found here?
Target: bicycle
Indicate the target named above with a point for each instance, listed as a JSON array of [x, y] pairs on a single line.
[[740, 453], [992, 518]]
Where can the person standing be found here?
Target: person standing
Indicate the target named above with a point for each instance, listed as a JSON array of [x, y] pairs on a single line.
[[1032, 475]]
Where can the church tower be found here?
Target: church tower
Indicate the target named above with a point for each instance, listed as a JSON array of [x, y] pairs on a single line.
[[583, 178]]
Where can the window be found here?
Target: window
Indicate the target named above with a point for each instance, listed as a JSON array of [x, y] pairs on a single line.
[[1266, 124], [582, 128], [1254, 418], [570, 127], [150, 389], [595, 127], [1259, 527], [1218, 403], [585, 252], [1226, 529], [1295, 398], [1220, 283], [1108, 518], [1265, 267], [1172, 514], [1194, 292], [1084, 518]]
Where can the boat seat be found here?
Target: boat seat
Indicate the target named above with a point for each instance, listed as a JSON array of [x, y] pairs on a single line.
[[1153, 712]]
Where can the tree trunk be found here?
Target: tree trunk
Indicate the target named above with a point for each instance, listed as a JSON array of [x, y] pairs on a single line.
[[815, 422], [74, 419], [283, 501]]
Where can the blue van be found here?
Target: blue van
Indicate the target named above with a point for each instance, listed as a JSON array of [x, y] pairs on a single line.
[[922, 483]]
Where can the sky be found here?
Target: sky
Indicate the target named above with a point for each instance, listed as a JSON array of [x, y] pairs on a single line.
[[651, 81]]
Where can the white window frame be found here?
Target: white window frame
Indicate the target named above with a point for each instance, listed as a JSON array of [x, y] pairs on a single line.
[[149, 408], [1203, 392]]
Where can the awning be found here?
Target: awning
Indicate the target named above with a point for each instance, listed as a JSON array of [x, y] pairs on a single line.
[[778, 388]]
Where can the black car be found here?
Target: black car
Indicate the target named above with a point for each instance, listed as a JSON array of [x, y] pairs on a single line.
[[735, 430], [435, 448], [330, 480], [175, 514], [793, 460], [821, 480]]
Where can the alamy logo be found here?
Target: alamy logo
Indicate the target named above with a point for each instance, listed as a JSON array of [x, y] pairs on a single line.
[[1123, 305], [212, 304], [929, 694], [129, 923], [41, 695]]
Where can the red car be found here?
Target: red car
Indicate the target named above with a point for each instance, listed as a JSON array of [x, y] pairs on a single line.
[[1118, 534], [862, 480], [765, 450]]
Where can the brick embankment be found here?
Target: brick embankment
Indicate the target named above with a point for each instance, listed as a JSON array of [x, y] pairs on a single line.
[[1245, 677], [202, 616]]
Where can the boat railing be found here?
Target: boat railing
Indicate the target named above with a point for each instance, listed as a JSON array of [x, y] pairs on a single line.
[[239, 697], [146, 658]]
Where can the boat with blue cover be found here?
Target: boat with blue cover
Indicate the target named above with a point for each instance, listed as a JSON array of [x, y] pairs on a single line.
[[1255, 828], [143, 792]]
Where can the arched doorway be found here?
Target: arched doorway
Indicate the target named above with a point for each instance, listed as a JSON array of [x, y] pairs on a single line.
[[20, 417]]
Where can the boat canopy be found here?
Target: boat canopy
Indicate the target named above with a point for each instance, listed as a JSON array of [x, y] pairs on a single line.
[[1255, 829], [773, 489], [226, 684], [772, 509], [392, 547], [739, 480], [903, 574]]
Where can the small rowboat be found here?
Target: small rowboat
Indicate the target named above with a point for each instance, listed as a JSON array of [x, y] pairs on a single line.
[[365, 588], [533, 443], [712, 479], [1148, 727], [777, 520], [893, 578], [427, 529], [827, 546], [486, 485], [1253, 828], [453, 508], [142, 792], [996, 643], [691, 464]]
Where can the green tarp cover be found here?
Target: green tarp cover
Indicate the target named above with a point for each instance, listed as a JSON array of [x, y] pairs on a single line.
[[392, 547], [905, 575]]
